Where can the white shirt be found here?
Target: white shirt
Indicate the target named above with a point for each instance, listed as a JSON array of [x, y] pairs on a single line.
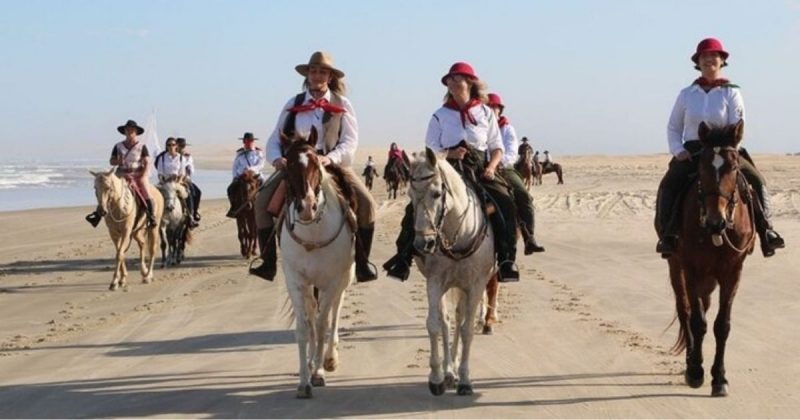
[[370, 163], [719, 107], [344, 152], [445, 129], [189, 164], [547, 158], [168, 165], [252, 160], [511, 144]]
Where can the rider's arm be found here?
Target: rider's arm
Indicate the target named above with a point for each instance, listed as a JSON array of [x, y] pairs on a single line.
[[114, 160], [345, 150], [259, 166], [735, 106], [433, 138], [675, 126], [236, 170], [494, 141]]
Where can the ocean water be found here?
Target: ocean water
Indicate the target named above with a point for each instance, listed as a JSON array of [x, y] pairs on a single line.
[[32, 184]]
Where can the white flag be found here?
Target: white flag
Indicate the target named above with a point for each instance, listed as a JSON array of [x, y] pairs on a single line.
[[150, 139]]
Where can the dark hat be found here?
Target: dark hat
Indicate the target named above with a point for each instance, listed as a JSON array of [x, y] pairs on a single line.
[[181, 141], [131, 123], [248, 136], [524, 139]]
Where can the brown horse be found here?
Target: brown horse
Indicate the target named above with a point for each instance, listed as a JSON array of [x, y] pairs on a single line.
[[524, 166], [395, 177], [550, 168], [243, 192], [717, 234]]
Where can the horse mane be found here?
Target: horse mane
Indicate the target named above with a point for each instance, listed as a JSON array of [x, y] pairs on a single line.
[[450, 174]]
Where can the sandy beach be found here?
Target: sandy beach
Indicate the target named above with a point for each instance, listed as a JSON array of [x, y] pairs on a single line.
[[585, 334]]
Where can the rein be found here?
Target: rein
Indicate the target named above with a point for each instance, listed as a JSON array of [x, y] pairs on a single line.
[[287, 217], [445, 246]]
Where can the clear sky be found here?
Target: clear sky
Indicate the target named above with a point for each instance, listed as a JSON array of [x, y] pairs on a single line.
[[577, 77]]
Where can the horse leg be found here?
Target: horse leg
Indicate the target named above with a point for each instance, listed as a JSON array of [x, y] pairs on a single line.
[[297, 294], [471, 301], [697, 324], [322, 320], [722, 327], [332, 352], [434, 325], [152, 248], [492, 290], [162, 235], [119, 269], [451, 365], [142, 243]]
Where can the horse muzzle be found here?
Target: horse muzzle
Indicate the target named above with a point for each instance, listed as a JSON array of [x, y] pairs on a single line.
[[715, 226], [425, 244]]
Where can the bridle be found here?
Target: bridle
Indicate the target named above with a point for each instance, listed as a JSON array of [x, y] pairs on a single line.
[[291, 218], [124, 203], [437, 221], [731, 200]]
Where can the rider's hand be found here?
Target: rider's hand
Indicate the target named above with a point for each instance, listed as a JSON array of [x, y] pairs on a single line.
[[325, 161], [458, 153], [279, 163], [684, 155], [489, 172]]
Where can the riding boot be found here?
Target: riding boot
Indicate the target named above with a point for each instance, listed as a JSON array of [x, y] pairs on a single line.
[[148, 208], [506, 254], [189, 211], [269, 255], [365, 270], [399, 266], [195, 197], [531, 245], [668, 238], [94, 218], [770, 240]]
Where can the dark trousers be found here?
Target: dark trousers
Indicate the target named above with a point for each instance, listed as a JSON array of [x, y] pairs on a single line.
[[194, 195], [522, 199]]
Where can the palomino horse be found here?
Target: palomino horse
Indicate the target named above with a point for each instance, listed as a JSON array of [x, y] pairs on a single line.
[[395, 177], [524, 166], [551, 167], [125, 221], [717, 234], [175, 233], [243, 194], [456, 245], [318, 247]]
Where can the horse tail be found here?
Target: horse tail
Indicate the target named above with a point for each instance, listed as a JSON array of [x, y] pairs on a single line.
[[682, 308]]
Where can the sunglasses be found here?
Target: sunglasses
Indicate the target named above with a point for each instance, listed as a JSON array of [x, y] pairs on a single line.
[[171, 144]]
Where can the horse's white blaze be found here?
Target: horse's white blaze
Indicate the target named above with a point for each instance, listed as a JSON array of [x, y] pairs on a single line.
[[303, 159]]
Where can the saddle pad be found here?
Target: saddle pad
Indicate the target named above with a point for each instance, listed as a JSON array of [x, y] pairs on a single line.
[[276, 202]]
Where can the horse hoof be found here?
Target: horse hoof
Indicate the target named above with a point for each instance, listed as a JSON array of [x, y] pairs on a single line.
[[719, 390], [436, 389], [147, 280], [112, 287], [464, 389], [488, 330], [317, 380], [694, 378], [304, 391], [450, 381], [330, 364]]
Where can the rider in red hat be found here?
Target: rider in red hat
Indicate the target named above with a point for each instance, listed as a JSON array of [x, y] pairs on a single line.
[[523, 200], [717, 102]]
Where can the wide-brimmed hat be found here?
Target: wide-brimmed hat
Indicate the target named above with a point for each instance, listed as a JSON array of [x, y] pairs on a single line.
[[709, 45], [131, 123], [248, 137], [322, 59], [461, 68], [495, 100]]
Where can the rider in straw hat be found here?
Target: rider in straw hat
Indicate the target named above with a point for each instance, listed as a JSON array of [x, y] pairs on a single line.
[[322, 105], [522, 199], [466, 130], [717, 102], [132, 160]]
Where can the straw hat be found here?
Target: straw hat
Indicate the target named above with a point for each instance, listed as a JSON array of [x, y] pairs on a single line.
[[321, 59]]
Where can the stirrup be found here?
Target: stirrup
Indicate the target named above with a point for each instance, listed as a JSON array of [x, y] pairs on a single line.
[[513, 277], [372, 269], [774, 240], [399, 273], [93, 219], [259, 271]]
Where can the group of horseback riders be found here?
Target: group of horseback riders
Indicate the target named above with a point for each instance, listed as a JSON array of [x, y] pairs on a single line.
[[471, 130], [131, 158]]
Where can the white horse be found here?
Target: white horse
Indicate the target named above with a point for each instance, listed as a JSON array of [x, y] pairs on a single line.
[[318, 253], [116, 203], [457, 247], [174, 223]]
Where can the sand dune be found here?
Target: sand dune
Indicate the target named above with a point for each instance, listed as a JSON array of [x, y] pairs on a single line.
[[582, 335]]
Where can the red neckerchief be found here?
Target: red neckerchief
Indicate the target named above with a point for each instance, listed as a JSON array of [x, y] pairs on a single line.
[[313, 104], [502, 122], [708, 84], [465, 115]]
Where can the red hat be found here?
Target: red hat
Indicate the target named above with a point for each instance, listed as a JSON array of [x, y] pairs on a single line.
[[461, 68], [709, 45], [494, 100]]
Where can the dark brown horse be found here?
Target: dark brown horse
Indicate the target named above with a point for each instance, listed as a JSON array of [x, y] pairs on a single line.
[[395, 177], [716, 236], [369, 176], [551, 167], [243, 193]]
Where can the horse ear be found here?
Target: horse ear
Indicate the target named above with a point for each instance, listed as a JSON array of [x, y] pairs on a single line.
[[111, 171], [430, 156], [94, 174], [738, 131], [312, 137], [702, 131]]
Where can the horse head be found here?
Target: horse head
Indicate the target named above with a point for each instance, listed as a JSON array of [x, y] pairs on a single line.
[[106, 188], [718, 170], [169, 189], [304, 176], [428, 192]]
